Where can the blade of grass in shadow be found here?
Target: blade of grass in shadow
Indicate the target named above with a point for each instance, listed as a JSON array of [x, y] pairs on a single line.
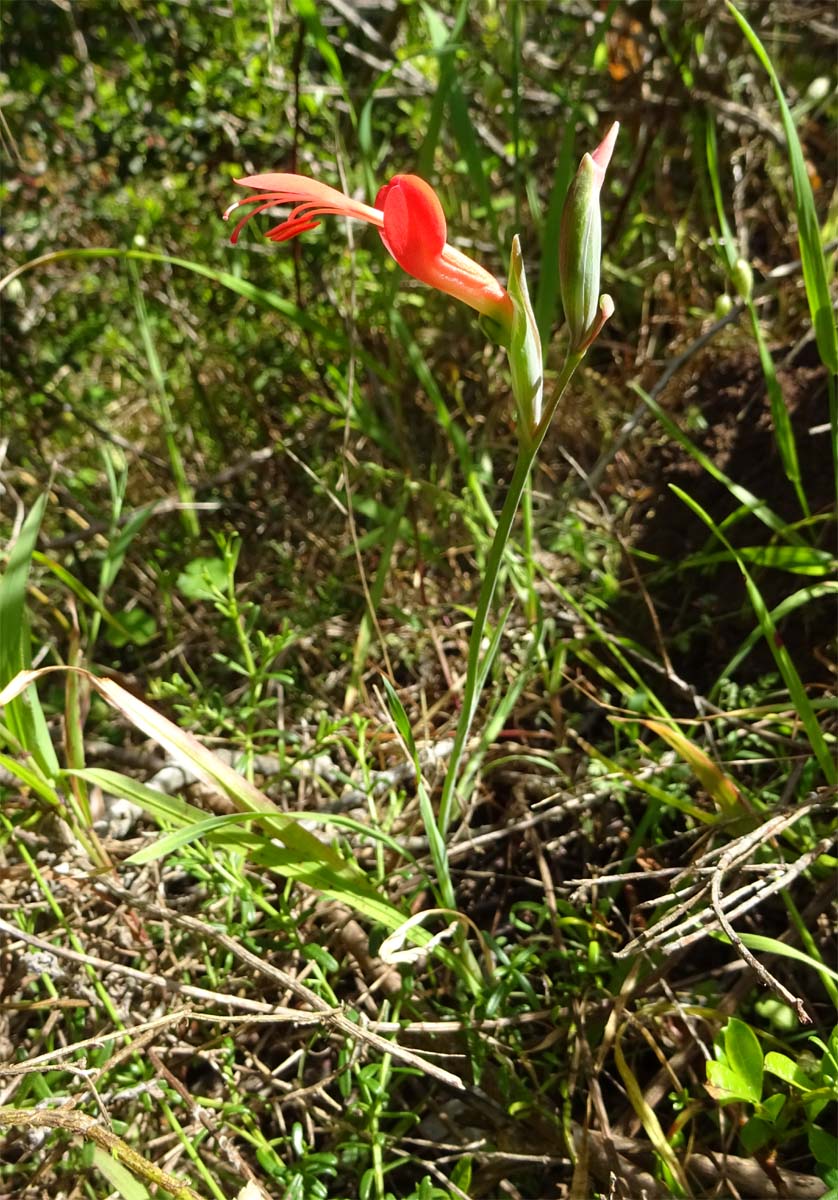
[[616, 646], [463, 960], [783, 431], [449, 92], [447, 423], [309, 13], [164, 409], [789, 604], [754, 505], [504, 700], [24, 716], [812, 254], [386, 545], [786, 667], [436, 844], [797, 560], [82, 593], [443, 42], [332, 335]]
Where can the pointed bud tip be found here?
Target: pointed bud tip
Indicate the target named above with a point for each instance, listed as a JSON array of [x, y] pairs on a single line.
[[603, 152]]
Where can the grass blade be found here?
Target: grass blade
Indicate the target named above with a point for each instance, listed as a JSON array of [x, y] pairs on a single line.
[[719, 786], [304, 855], [331, 335], [170, 427], [24, 715], [812, 256], [754, 505], [786, 667], [783, 431], [792, 602]]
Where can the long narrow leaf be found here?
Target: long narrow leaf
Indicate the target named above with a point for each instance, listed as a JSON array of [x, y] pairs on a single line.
[[792, 602], [304, 855], [751, 502], [786, 667], [719, 786], [811, 248], [25, 716]]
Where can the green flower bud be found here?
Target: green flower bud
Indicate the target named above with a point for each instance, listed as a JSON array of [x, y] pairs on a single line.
[[743, 278], [722, 306], [580, 247], [524, 351]]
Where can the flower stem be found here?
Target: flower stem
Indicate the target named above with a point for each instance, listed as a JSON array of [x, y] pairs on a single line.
[[477, 668]]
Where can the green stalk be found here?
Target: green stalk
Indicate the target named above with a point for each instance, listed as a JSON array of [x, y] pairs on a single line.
[[476, 669]]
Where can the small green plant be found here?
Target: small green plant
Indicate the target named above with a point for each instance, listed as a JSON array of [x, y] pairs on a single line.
[[741, 1073]]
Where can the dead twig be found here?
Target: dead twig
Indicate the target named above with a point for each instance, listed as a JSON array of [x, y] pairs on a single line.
[[335, 1019], [86, 1127]]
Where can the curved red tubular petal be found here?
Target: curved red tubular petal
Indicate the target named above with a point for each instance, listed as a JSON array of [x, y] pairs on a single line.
[[414, 225], [298, 189], [414, 232], [284, 232], [309, 197]]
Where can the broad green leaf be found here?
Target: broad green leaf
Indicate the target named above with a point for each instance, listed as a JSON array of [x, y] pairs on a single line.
[[787, 1070], [202, 578], [136, 627], [773, 1106], [756, 1133], [824, 1146], [744, 1056], [725, 1084]]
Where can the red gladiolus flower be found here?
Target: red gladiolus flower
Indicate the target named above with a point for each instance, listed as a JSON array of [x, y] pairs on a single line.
[[409, 219]]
